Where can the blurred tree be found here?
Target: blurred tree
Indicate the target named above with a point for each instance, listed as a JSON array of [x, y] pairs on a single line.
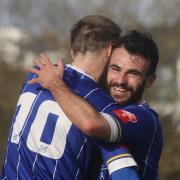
[[170, 164], [10, 84]]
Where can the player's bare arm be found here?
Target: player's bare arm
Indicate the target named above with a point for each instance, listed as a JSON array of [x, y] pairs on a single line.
[[84, 116]]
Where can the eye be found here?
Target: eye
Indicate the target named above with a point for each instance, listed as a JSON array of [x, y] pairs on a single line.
[[115, 68], [134, 73]]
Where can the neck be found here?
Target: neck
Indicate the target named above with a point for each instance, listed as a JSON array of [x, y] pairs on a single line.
[[92, 64], [141, 101]]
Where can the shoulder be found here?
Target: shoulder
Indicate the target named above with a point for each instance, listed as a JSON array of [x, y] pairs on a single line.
[[136, 113]]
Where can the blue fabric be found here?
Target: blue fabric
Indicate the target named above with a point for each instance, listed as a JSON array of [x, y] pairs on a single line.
[[125, 174], [68, 153]]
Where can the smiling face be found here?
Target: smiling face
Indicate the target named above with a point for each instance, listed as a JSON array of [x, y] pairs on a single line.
[[127, 76]]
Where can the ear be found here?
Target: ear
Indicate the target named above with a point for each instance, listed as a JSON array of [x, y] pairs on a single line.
[[109, 48], [72, 54], [150, 80]]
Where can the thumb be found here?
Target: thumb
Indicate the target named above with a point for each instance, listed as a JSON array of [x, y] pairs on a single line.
[[33, 81]]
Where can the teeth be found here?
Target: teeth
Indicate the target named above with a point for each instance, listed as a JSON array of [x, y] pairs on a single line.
[[119, 89]]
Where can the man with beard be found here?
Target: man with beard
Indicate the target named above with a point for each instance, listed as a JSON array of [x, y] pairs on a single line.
[[131, 70], [43, 143]]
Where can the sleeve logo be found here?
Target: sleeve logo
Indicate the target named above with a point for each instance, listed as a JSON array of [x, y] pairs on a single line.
[[125, 116]]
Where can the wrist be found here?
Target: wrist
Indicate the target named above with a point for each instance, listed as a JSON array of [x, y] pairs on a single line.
[[56, 86]]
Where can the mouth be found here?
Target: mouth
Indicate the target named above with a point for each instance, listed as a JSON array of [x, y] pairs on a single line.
[[119, 89], [120, 94]]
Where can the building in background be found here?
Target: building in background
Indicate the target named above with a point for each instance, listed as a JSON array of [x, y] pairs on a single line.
[[17, 47]]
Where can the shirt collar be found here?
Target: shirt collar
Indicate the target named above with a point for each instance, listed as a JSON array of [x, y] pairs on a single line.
[[80, 71]]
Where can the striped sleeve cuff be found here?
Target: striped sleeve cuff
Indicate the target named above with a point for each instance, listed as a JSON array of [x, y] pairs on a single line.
[[115, 128], [120, 162]]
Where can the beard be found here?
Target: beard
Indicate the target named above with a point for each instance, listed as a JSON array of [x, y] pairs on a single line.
[[134, 94]]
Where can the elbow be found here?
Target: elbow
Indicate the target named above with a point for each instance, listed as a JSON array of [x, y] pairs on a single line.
[[90, 129], [96, 131]]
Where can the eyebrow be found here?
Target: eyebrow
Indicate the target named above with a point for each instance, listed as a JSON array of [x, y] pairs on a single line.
[[114, 65], [135, 70], [129, 70]]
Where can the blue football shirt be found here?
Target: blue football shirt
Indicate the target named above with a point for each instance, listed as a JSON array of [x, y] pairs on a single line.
[[43, 143], [141, 130]]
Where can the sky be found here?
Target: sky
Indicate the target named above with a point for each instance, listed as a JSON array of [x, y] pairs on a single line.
[[37, 15]]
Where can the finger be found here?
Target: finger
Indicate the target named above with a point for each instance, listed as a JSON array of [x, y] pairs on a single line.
[[38, 62], [33, 81], [33, 70], [45, 58], [60, 64]]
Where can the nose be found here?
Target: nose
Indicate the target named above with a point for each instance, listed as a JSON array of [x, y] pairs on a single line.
[[121, 78]]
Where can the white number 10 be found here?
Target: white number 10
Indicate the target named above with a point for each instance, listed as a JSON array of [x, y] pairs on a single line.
[[56, 148]]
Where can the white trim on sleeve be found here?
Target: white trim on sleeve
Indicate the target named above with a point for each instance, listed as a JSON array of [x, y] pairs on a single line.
[[120, 164], [115, 128]]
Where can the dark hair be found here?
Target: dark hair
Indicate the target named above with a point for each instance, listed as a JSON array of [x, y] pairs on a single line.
[[93, 33], [141, 44]]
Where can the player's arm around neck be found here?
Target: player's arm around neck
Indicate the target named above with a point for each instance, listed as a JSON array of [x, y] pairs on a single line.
[[82, 115], [79, 112]]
